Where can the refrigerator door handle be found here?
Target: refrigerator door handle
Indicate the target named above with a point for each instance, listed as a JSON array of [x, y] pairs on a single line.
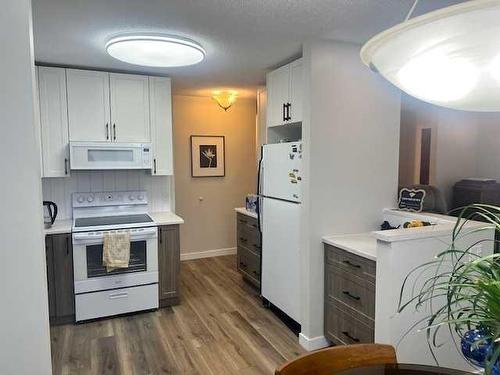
[[259, 189]]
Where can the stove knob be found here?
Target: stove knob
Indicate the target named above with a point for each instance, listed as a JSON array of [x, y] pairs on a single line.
[[140, 197], [80, 199], [90, 198], [131, 197]]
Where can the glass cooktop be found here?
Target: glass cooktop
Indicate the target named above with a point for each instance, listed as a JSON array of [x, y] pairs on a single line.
[[112, 220]]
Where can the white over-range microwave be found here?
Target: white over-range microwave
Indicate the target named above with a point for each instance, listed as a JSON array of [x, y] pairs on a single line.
[[102, 155]]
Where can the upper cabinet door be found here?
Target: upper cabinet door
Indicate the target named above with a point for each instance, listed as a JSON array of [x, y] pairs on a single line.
[[161, 125], [278, 82], [296, 88], [88, 105], [129, 108], [53, 121]]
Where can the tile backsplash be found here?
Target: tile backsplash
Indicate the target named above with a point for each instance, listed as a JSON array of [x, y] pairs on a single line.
[[159, 188]]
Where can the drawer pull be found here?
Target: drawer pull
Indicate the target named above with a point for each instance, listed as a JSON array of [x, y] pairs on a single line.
[[243, 239], [243, 265], [118, 295], [345, 333], [256, 273], [348, 294], [351, 264], [243, 221], [257, 247]]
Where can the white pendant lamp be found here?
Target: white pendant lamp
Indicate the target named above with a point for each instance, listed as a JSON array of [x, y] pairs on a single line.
[[449, 57], [155, 50]]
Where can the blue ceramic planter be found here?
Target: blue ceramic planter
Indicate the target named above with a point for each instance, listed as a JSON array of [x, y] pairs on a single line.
[[476, 349]]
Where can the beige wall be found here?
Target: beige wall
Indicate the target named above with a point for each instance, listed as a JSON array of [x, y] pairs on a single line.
[[207, 204]]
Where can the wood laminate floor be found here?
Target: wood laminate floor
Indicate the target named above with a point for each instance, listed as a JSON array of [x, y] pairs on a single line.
[[220, 327]]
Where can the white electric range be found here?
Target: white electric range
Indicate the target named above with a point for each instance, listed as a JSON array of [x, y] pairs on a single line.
[[99, 293]]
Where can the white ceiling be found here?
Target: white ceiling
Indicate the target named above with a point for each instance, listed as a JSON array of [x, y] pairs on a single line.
[[243, 38]]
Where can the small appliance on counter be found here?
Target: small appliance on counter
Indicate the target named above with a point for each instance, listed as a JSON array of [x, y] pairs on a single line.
[[49, 213], [251, 202]]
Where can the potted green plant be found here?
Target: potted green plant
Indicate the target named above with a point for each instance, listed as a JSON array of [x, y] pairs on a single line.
[[462, 293]]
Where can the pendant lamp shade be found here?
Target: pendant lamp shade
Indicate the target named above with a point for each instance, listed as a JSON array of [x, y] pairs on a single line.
[[449, 57]]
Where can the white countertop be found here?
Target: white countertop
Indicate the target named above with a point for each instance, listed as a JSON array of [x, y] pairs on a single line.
[[244, 211], [166, 218], [159, 218], [60, 227], [362, 244]]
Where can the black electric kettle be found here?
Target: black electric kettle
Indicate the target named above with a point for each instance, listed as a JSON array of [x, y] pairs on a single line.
[[49, 213]]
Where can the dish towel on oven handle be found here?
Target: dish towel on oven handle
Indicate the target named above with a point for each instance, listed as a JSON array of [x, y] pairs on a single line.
[[116, 250]]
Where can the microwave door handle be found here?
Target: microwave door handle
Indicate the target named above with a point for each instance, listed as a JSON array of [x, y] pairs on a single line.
[[107, 131], [114, 132]]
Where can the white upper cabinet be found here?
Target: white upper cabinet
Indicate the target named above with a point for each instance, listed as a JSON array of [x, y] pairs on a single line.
[[278, 82], [53, 121], [88, 105], [296, 89], [161, 125], [284, 94], [129, 108]]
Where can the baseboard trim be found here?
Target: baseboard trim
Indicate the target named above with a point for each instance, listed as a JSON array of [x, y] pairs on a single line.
[[314, 343], [208, 253]]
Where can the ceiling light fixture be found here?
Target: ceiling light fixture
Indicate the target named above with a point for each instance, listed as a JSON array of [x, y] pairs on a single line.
[[225, 99], [162, 51], [449, 57]]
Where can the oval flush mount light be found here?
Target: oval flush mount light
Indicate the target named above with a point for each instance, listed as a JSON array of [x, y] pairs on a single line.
[[155, 50], [449, 57]]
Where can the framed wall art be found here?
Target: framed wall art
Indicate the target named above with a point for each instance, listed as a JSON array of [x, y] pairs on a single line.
[[208, 156]]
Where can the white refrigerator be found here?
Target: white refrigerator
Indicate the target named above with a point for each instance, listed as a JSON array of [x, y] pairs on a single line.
[[279, 217]]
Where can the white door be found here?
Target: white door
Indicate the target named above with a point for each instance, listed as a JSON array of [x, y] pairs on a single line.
[[129, 108], [281, 171], [161, 125], [296, 88], [53, 121], [88, 105], [277, 83], [281, 255]]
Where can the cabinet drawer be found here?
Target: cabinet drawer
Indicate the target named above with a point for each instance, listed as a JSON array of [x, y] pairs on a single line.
[[249, 238], [249, 265], [351, 263], [357, 293], [248, 220], [344, 328]]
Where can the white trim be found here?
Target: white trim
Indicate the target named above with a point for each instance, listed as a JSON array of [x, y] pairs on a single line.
[[314, 343], [208, 253]]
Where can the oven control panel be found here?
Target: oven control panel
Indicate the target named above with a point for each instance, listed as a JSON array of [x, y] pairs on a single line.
[[109, 198]]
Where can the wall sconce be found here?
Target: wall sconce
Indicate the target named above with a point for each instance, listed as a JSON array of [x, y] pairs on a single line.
[[225, 99]]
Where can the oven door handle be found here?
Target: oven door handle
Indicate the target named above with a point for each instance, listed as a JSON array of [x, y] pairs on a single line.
[[135, 235]]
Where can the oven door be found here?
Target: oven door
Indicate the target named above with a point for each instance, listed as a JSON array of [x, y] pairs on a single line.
[[89, 273]]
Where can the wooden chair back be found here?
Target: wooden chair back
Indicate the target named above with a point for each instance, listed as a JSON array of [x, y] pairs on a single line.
[[327, 361]]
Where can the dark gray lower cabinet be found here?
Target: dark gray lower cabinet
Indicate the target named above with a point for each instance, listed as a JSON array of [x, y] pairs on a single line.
[[59, 253], [168, 264], [349, 297], [249, 249]]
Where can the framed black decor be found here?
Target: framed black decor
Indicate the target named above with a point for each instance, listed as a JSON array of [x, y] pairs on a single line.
[[208, 156]]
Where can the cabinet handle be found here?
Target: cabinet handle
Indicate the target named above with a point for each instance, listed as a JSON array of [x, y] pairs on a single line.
[[159, 234], [257, 247], [284, 110], [243, 265], [67, 245], [107, 131], [243, 239], [351, 264], [114, 132], [345, 333], [348, 294], [288, 110], [65, 166], [243, 221], [154, 166]]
